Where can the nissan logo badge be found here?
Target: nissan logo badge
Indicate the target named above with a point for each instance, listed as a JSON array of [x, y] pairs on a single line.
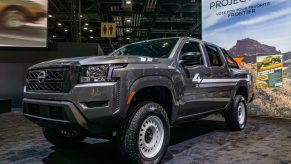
[[41, 76]]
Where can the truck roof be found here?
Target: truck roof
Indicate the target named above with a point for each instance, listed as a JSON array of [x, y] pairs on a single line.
[[181, 37]]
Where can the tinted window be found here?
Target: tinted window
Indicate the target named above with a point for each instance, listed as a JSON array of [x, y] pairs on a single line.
[[160, 48], [190, 47], [213, 55]]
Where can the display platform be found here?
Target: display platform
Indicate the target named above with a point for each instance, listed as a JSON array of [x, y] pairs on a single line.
[[264, 140]]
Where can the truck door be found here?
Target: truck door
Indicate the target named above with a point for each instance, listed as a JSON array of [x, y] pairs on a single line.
[[220, 82], [195, 99]]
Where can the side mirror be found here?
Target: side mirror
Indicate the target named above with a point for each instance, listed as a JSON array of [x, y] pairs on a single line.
[[191, 58]]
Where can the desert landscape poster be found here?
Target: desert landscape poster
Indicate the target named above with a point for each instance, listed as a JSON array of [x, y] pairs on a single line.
[[249, 31]]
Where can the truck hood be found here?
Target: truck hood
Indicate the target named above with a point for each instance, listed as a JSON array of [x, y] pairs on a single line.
[[95, 60]]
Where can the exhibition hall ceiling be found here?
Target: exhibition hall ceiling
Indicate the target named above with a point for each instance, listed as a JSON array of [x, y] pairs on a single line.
[[80, 20]]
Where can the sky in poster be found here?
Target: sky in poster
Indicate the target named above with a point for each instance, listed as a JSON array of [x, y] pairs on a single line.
[[269, 22]]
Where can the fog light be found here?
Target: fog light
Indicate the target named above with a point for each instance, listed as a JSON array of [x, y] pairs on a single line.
[[94, 104]]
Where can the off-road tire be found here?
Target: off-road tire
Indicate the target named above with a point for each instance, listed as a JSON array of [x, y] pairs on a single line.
[[129, 132], [274, 61], [55, 137], [19, 16], [232, 116]]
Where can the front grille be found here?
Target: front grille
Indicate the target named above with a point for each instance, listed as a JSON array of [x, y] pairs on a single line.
[[50, 80], [54, 87], [46, 111]]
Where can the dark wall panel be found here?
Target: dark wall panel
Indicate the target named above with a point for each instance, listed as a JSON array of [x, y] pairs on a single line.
[[54, 51], [12, 81]]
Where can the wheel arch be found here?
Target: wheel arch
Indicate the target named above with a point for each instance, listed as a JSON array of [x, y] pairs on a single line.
[[242, 90], [158, 89], [21, 8]]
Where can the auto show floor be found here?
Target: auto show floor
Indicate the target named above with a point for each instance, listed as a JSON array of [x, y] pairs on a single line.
[[264, 140]]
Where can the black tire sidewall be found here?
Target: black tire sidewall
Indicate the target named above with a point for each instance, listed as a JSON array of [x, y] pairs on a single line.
[[241, 99], [142, 112], [231, 115], [164, 146]]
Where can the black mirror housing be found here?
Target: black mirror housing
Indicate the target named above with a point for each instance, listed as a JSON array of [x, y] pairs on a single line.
[[191, 57]]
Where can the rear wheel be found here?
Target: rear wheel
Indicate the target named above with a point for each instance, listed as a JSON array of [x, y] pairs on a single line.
[[236, 117], [62, 138], [273, 61], [145, 135], [13, 19]]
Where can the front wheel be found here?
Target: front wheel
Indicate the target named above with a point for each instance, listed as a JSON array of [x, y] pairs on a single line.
[[236, 117], [145, 134], [13, 19]]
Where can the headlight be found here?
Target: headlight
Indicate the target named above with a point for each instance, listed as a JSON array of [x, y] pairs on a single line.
[[94, 74]]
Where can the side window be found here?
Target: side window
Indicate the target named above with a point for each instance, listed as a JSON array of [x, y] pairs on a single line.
[[214, 56], [192, 48], [231, 63]]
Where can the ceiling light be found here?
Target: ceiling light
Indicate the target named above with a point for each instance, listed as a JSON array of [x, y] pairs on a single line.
[[59, 24], [90, 30], [81, 16], [66, 30], [50, 16], [86, 24], [128, 2], [127, 38], [91, 37], [128, 20], [54, 36], [85, 28], [128, 30]]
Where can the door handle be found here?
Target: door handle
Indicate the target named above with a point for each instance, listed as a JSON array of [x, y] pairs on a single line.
[[207, 74], [226, 75]]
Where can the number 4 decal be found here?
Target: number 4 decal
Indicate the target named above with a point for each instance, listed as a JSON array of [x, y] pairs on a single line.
[[197, 79]]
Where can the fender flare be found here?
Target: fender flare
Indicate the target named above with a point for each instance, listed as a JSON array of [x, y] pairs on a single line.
[[241, 83], [156, 81]]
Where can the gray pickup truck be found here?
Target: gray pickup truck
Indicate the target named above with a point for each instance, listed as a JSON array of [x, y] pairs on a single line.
[[135, 94]]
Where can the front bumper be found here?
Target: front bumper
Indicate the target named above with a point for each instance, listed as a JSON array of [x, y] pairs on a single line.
[[91, 108]]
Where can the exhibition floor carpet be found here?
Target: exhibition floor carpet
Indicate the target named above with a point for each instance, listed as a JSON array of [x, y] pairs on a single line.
[[264, 140]]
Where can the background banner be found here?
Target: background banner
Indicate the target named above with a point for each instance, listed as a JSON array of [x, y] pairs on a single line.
[[258, 33], [23, 23]]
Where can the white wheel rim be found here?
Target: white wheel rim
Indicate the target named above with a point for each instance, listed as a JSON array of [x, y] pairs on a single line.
[[151, 136], [241, 113], [14, 19]]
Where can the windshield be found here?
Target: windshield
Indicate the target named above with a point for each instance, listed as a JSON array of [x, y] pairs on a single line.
[[160, 48]]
